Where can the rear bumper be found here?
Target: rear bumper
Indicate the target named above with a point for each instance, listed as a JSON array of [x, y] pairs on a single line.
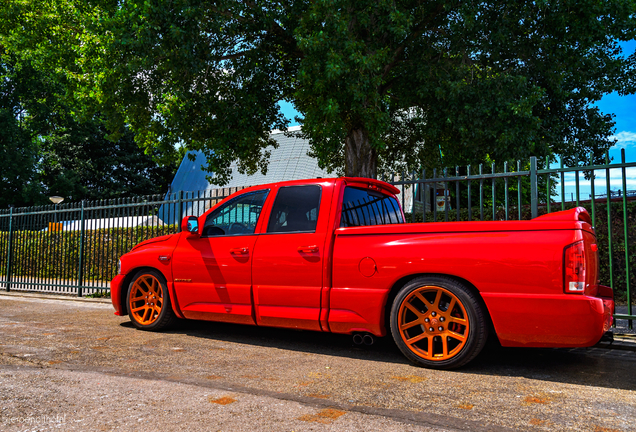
[[115, 294], [563, 320]]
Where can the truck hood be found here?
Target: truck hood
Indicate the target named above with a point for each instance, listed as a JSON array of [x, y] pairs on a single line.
[[153, 240]]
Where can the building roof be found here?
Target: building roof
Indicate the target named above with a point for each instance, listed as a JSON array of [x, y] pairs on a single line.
[[287, 162]]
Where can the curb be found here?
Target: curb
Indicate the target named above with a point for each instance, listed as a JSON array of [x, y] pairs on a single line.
[[624, 340], [54, 297]]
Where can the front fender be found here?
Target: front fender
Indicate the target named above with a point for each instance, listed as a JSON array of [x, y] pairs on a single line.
[[156, 255]]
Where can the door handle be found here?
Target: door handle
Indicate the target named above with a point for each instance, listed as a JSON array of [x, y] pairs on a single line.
[[308, 249], [239, 251]]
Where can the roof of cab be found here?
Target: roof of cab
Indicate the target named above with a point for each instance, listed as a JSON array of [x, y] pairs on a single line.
[[348, 180]]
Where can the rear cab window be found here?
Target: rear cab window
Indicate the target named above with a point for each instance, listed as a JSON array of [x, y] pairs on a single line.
[[295, 209], [365, 207]]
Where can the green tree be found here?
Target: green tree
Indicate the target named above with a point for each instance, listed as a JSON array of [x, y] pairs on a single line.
[[78, 160], [380, 84], [18, 148], [47, 146]]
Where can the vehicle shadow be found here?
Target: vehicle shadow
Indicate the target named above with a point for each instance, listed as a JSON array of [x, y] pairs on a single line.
[[384, 349], [599, 366]]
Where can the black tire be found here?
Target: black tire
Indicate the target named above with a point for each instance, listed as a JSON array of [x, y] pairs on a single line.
[[152, 309], [438, 322]]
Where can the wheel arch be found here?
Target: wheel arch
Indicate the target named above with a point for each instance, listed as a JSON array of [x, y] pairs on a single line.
[[406, 279], [123, 294]]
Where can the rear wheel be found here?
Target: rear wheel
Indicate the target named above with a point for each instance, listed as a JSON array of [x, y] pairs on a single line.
[[149, 302], [438, 323]]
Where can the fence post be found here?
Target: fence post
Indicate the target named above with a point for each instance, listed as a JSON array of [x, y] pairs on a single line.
[[534, 199], [626, 234], [547, 189], [592, 191], [180, 211], [80, 269], [9, 249], [608, 204]]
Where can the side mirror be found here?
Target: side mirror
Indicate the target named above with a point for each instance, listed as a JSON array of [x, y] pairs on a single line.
[[190, 224]]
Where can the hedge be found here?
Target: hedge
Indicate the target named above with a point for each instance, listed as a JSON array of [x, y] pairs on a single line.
[[55, 255]]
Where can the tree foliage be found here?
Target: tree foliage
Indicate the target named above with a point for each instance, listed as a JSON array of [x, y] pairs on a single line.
[[47, 146], [380, 84], [78, 160], [18, 150]]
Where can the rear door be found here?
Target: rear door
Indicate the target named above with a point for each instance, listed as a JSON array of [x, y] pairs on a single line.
[[287, 271]]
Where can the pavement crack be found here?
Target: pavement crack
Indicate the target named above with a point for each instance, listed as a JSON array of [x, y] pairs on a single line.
[[23, 359]]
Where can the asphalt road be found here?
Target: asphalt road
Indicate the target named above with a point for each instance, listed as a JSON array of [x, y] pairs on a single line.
[[71, 365]]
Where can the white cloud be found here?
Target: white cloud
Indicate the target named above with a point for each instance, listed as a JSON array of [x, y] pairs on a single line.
[[616, 176], [624, 139], [600, 185]]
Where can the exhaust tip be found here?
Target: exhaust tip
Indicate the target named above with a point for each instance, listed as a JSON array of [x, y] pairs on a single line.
[[358, 339], [368, 339]]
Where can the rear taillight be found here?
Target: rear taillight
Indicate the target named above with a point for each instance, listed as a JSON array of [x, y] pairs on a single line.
[[574, 268]]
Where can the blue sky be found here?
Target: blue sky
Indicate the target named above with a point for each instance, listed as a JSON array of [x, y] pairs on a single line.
[[624, 110], [289, 111]]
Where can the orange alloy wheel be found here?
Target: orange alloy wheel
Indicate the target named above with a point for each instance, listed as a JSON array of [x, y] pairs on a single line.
[[433, 323], [146, 299]]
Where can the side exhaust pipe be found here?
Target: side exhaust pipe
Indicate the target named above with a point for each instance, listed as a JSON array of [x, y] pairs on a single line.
[[363, 339], [368, 339]]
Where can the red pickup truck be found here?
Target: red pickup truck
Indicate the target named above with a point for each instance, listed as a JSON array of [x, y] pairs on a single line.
[[335, 255]]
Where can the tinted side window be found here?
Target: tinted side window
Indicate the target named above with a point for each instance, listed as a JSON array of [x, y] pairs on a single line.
[[361, 207], [295, 209], [237, 216]]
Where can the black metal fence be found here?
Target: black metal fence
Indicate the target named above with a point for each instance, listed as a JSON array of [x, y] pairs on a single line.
[[74, 248], [466, 193]]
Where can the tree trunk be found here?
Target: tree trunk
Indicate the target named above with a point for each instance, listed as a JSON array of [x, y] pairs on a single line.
[[360, 159]]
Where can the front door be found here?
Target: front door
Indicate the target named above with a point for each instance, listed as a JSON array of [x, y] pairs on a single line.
[[212, 273]]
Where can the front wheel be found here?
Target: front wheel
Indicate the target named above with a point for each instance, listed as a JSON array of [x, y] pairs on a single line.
[[438, 323], [149, 301]]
